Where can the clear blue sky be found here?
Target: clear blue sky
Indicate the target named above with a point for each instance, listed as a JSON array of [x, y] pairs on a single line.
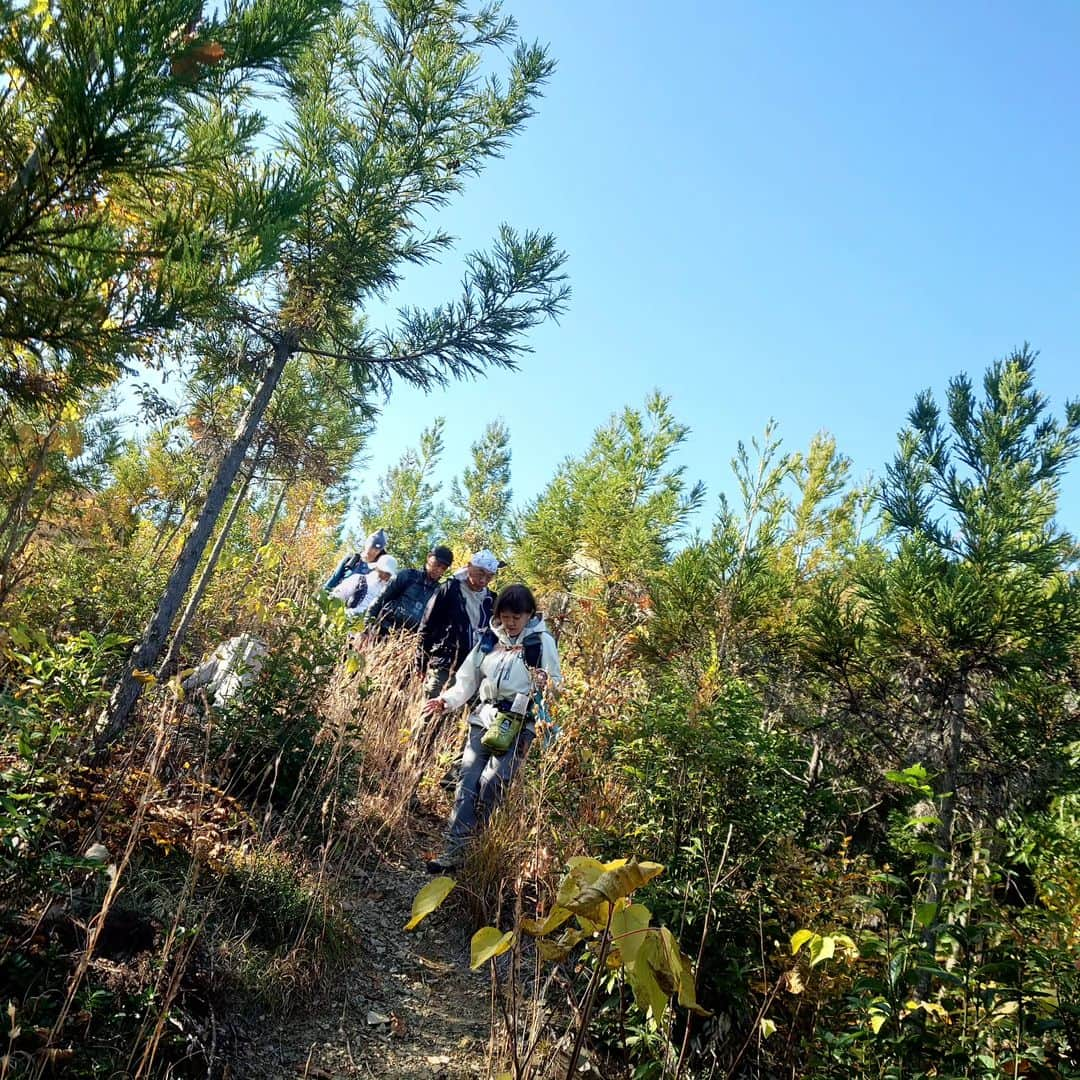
[[801, 211]]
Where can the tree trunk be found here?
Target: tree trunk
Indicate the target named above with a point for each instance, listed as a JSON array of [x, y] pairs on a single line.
[[115, 717], [274, 514], [953, 730], [300, 517], [160, 550], [203, 584], [234, 604], [14, 544]]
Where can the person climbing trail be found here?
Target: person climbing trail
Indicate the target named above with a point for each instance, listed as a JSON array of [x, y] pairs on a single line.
[[350, 580], [509, 669]]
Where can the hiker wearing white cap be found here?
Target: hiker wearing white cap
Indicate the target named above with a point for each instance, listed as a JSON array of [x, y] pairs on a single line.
[[455, 618], [349, 581]]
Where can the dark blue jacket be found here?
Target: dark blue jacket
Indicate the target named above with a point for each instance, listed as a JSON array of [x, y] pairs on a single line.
[[401, 606]]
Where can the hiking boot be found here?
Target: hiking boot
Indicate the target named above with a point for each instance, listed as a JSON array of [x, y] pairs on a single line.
[[446, 863]]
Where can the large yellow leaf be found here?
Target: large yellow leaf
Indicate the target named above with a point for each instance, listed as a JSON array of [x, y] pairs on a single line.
[[627, 930], [428, 899], [821, 948], [650, 996], [688, 988], [611, 885], [487, 943], [583, 872]]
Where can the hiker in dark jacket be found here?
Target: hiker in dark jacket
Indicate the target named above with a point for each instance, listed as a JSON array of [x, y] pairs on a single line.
[[403, 604], [456, 616], [349, 581]]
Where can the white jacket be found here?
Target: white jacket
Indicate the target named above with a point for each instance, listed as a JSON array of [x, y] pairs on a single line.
[[502, 673]]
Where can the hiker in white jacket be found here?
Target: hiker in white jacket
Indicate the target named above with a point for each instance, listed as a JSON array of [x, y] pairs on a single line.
[[514, 661]]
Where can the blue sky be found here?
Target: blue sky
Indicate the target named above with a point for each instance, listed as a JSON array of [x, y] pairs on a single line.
[[808, 212]]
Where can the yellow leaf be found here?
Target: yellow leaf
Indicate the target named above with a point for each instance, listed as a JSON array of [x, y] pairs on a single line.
[[627, 930], [823, 948], [554, 951], [428, 899], [147, 678], [877, 1021], [687, 986], [611, 885], [931, 1008], [800, 938], [487, 943], [555, 918], [650, 996], [768, 1027], [583, 871]]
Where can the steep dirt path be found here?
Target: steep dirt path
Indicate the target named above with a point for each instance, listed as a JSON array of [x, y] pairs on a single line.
[[408, 1005]]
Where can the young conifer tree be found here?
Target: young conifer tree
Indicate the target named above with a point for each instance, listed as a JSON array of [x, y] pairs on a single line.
[[480, 504], [404, 502], [954, 650]]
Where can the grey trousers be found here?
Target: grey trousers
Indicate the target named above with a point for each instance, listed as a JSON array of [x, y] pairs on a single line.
[[484, 779]]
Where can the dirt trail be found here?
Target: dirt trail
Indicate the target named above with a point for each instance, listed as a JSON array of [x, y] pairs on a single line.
[[407, 1006]]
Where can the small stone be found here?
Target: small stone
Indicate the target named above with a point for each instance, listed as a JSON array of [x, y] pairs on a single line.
[[375, 1018]]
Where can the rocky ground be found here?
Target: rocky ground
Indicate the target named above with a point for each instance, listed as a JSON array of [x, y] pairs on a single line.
[[408, 1005]]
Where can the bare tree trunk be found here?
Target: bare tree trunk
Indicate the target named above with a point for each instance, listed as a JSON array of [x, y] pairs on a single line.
[[159, 550], [948, 782], [274, 514], [203, 584], [234, 604], [300, 517], [115, 717], [166, 522], [16, 543], [946, 785]]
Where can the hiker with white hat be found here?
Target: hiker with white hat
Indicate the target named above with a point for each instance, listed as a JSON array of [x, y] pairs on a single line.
[[381, 574], [455, 618], [349, 581]]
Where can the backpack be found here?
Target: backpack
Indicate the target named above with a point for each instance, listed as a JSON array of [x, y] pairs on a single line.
[[532, 646], [407, 608]]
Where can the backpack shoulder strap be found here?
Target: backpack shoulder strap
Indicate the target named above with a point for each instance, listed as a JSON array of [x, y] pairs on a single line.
[[488, 641], [533, 649]]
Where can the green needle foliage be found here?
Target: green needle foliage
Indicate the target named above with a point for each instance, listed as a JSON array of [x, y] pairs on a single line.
[[955, 651], [131, 195]]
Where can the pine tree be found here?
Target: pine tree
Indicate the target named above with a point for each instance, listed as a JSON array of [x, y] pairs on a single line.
[[404, 503], [611, 516], [953, 649], [131, 195], [479, 515]]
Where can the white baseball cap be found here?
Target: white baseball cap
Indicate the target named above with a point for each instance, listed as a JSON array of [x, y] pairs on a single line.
[[387, 564], [484, 560]]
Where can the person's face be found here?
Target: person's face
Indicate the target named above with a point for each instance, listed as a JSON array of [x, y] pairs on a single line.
[[476, 577], [435, 569], [371, 555], [384, 576], [513, 622]]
